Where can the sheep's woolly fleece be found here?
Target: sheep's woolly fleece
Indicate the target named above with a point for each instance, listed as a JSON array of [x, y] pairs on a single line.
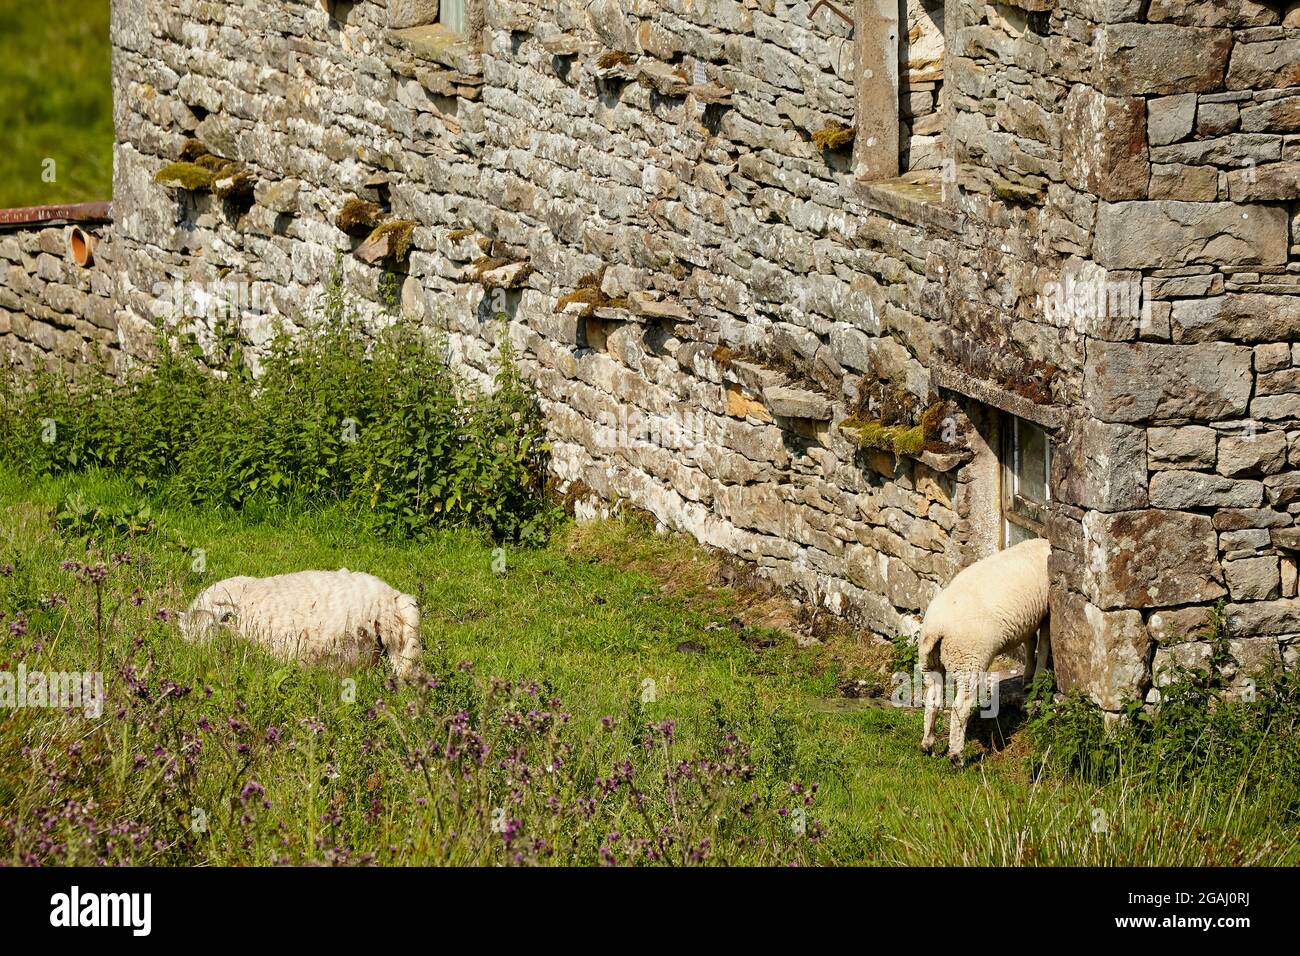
[[995, 604], [339, 617], [990, 607]]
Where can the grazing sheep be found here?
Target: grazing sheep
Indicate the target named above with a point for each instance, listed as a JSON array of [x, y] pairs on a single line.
[[343, 617], [988, 608]]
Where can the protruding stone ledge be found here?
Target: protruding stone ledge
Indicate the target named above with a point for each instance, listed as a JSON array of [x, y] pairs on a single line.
[[569, 44], [788, 402], [44, 216], [955, 380], [915, 198], [437, 44]]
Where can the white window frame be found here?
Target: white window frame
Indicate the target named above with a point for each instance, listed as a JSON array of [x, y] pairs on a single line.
[[1018, 510], [462, 7]]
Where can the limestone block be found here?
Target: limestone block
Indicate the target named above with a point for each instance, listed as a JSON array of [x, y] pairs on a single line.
[[1190, 446], [1192, 489], [1103, 654], [1101, 466], [1262, 453], [1170, 118], [1150, 235], [411, 13], [1253, 579], [1141, 58], [1140, 381], [1150, 558]]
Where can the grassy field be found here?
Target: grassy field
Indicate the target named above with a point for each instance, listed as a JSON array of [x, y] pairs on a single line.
[[56, 84], [278, 766]]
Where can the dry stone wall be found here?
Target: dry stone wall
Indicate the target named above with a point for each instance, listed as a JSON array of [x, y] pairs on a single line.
[[52, 311], [1098, 233]]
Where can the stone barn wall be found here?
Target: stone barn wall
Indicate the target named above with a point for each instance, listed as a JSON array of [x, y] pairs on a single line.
[[1095, 232]]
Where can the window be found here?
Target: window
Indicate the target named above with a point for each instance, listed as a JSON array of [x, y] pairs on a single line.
[[1026, 471], [453, 15], [462, 17]]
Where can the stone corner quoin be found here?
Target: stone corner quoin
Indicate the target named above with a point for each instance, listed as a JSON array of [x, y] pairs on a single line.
[[1089, 225]]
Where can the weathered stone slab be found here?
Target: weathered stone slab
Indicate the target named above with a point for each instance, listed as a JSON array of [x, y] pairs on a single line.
[[1253, 579], [1104, 141], [791, 402], [1214, 13], [1098, 653], [1235, 317], [1101, 466], [1143, 58], [1192, 489], [1146, 381], [1170, 118], [1151, 558], [411, 13], [1271, 64], [1188, 447], [1262, 453], [1262, 618], [1149, 235], [1272, 182], [1283, 489]]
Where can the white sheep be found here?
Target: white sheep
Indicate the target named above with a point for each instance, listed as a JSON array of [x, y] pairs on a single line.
[[990, 607], [341, 617]]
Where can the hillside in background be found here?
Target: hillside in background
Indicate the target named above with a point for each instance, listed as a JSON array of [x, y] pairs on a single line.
[[56, 86]]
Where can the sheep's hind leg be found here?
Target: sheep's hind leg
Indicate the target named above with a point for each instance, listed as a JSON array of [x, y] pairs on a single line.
[[957, 719], [933, 700]]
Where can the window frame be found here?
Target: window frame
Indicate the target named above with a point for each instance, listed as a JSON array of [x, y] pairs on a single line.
[[466, 13], [1019, 510]]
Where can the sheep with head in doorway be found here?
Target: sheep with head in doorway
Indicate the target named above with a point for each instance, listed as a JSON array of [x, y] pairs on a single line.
[[994, 605]]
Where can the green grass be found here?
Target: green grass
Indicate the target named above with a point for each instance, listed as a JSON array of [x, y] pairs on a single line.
[[56, 84], [591, 617]]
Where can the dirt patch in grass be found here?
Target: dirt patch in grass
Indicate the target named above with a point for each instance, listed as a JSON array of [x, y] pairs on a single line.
[[717, 584]]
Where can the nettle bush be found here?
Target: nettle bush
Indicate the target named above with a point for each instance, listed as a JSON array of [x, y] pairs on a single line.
[[382, 424], [217, 754], [1205, 733]]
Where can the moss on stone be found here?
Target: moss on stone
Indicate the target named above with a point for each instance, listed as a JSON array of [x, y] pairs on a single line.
[[456, 235], [399, 233], [724, 355], [909, 440], [932, 420], [835, 136], [188, 176], [591, 298], [193, 150], [486, 264], [359, 218], [234, 183], [612, 58]]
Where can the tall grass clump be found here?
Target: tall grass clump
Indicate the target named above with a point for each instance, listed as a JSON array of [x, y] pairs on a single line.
[[382, 425], [1205, 735], [218, 754]]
